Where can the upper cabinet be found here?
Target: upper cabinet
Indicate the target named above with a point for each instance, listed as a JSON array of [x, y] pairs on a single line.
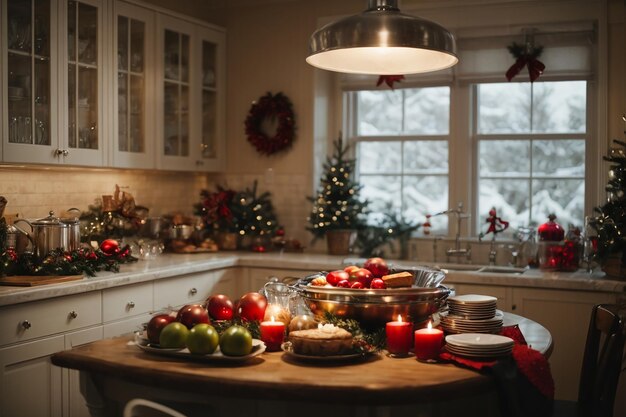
[[134, 104], [190, 96], [111, 83]]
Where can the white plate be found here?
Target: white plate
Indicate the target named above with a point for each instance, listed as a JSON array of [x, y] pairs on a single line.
[[479, 340], [479, 355], [258, 347], [472, 299]]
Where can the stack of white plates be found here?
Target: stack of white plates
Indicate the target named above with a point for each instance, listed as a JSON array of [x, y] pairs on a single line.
[[478, 345], [459, 324], [472, 313]]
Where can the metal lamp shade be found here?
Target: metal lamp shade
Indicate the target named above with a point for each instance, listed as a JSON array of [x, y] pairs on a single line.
[[382, 41]]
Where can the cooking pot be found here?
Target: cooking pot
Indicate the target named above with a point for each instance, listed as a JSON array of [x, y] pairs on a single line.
[[73, 225], [47, 234]]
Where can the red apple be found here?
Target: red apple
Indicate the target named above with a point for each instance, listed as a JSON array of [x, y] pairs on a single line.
[[357, 285], [350, 268], [344, 283], [156, 324], [378, 284], [192, 314], [377, 266], [334, 277], [363, 276], [220, 307], [252, 306]]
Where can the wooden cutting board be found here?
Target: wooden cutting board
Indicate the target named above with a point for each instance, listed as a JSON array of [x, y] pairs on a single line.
[[31, 281]]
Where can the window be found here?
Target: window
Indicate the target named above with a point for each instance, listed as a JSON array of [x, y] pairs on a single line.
[[531, 140], [401, 139]]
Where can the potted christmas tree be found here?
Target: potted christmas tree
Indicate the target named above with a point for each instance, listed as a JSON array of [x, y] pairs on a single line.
[[610, 222], [337, 212]]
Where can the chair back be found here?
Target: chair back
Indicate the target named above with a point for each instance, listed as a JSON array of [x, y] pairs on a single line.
[[140, 407], [602, 362]]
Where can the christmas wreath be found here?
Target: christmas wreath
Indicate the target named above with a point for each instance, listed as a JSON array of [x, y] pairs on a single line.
[[271, 107]]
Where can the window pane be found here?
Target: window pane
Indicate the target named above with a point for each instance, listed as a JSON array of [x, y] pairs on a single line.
[[379, 157], [559, 107], [504, 158], [426, 195], [380, 191], [563, 158], [426, 157], [504, 108], [510, 197], [564, 198], [379, 112], [427, 110]]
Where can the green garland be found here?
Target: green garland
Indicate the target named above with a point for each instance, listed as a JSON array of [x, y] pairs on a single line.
[[59, 262], [252, 326], [364, 342]]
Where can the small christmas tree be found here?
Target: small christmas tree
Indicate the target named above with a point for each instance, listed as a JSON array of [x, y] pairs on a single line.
[[610, 222], [336, 205], [254, 215]]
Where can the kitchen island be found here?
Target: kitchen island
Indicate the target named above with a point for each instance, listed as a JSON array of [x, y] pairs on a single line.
[[40, 321], [113, 371]]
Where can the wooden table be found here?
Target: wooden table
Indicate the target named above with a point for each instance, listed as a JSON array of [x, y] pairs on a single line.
[[114, 371]]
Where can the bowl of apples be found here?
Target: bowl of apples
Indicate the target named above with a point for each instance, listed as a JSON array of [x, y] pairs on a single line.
[[375, 294]]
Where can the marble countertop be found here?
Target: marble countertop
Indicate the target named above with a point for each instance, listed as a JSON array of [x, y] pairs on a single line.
[[170, 265]]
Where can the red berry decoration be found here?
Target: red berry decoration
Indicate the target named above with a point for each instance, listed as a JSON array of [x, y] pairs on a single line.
[[110, 247]]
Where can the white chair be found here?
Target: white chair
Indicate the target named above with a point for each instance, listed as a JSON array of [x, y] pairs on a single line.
[[140, 407]]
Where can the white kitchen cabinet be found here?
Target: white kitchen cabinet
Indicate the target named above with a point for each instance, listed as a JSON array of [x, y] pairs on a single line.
[[100, 83], [29, 384], [566, 315], [192, 288], [133, 84], [190, 95]]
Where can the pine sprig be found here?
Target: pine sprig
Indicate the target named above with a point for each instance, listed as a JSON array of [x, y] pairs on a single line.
[[253, 326], [364, 342]]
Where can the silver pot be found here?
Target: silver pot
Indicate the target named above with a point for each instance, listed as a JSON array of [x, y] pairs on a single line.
[[73, 225], [181, 231], [47, 234]]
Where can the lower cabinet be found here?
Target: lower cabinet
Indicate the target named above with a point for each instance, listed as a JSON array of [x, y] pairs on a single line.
[[73, 402], [29, 384]]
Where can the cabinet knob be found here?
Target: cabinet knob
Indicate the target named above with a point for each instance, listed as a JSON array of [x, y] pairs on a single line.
[[514, 307], [26, 324], [193, 291], [58, 152], [66, 152], [130, 304], [73, 314]]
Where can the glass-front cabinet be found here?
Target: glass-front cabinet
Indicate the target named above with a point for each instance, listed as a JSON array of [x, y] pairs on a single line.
[[110, 83], [30, 119], [191, 92], [133, 145]]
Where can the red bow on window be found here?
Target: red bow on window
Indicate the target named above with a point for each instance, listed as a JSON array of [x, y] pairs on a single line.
[[389, 80], [526, 56]]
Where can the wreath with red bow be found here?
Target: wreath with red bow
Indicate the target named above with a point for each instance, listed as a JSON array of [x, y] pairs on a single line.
[[271, 107], [525, 56]]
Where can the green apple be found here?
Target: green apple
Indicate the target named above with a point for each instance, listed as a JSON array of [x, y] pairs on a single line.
[[203, 339], [174, 335], [236, 341]]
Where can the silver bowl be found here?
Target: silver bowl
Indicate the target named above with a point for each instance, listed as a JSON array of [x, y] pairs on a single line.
[[374, 308]]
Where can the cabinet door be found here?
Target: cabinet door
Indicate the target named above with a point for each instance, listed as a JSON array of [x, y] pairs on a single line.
[[30, 385], [566, 315], [177, 118], [84, 101], [192, 288], [133, 81], [30, 122], [211, 147], [76, 406]]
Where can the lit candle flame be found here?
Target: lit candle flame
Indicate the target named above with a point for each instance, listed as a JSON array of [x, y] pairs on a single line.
[[430, 325], [400, 318]]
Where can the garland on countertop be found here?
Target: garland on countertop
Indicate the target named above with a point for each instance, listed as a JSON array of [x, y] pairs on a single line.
[[271, 107]]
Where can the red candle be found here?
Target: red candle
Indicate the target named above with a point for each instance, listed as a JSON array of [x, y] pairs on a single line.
[[428, 343], [399, 336], [272, 334]]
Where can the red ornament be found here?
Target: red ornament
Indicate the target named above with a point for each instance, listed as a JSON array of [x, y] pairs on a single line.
[[259, 248], [110, 247], [11, 254], [551, 231], [92, 256]]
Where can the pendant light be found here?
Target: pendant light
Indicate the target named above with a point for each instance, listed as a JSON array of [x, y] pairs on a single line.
[[382, 41]]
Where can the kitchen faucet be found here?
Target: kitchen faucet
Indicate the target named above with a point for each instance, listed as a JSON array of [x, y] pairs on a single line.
[[457, 251]]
